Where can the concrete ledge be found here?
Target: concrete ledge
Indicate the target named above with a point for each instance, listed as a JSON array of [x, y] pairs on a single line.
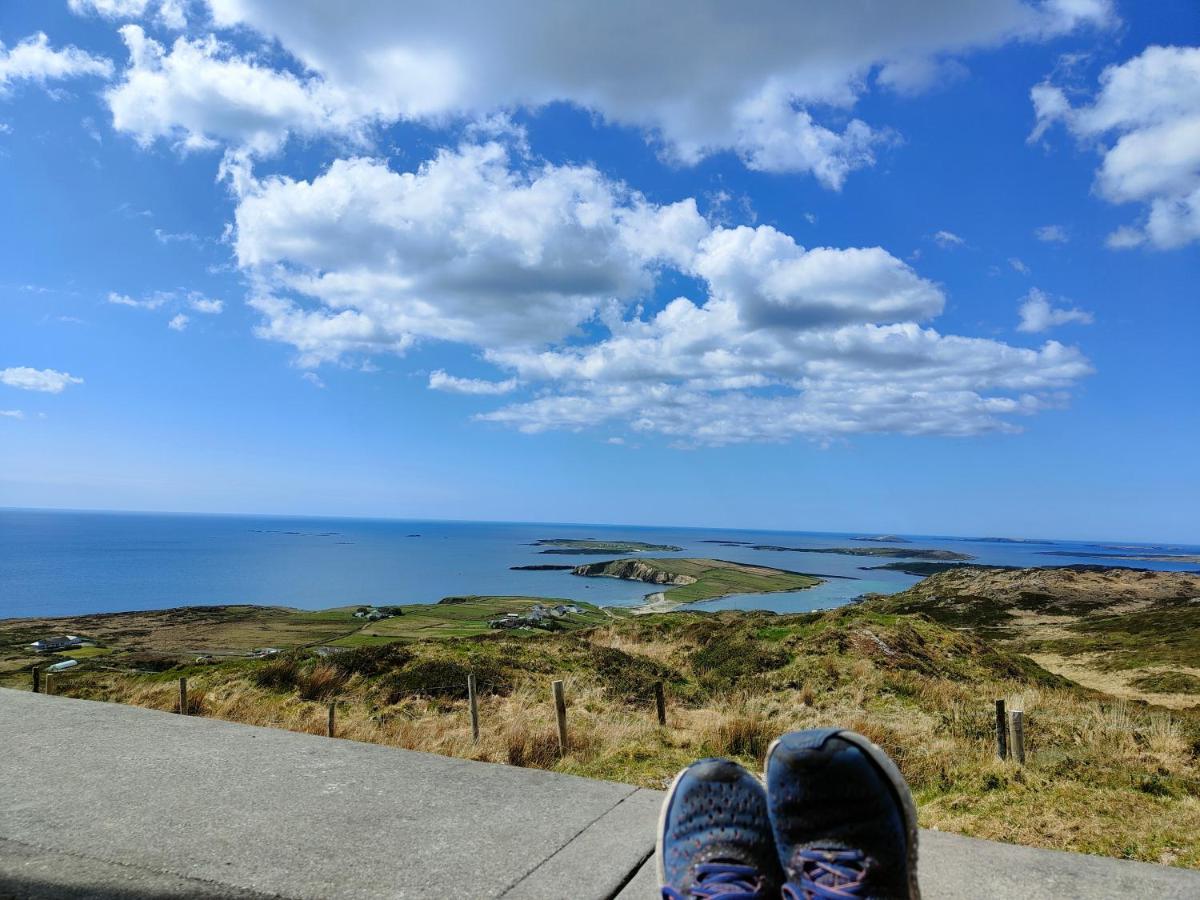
[[108, 801]]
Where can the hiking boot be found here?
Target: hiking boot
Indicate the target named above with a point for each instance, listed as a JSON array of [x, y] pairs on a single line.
[[714, 837], [843, 819]]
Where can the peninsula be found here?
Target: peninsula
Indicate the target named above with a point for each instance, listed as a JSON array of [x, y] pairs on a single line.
[[696, 580]]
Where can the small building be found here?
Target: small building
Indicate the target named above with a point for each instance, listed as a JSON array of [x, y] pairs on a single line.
[[55, 644]]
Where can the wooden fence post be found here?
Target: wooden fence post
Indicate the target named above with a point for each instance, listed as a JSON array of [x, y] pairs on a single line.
[[49, 685], [1018, 736], [560, 712], [331, 725], [1001, 731], [474, 701], [183, 701], [660, 701], [37, 679]]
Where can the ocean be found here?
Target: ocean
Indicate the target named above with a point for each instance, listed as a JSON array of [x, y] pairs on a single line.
[[70, 563]]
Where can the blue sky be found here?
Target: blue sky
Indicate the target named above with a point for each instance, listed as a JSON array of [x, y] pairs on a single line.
[[927, 271]]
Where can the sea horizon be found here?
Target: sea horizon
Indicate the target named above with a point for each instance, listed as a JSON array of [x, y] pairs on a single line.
[[73, 562], [864, 532]]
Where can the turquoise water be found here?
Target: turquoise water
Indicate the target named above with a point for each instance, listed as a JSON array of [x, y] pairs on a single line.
[[66, 563]]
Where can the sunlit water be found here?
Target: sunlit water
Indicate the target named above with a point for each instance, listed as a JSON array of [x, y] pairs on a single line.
[[64, 563]]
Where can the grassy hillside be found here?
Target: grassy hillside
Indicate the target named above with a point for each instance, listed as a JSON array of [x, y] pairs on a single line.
[[1129, 632], [1102, 776]]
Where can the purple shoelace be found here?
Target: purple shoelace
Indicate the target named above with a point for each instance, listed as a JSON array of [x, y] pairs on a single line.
[[827, 875], [721, 881]]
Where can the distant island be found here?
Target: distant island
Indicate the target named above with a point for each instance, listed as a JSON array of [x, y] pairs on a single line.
[[903, 553], [884, 539], [1189, 558], [541, 567], [921, 569], [900, 552], [573, 547], [1004, 540]]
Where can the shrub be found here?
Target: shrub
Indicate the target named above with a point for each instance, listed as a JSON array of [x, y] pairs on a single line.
[[291, 673], [626, 676], [280, 674], [744, 734], [531, 749], [320, 682], [728, 660], [151, 662], [442, 677], [371, 661]]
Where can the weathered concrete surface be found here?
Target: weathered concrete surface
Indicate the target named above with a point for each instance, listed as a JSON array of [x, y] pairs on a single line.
[[98, 800]]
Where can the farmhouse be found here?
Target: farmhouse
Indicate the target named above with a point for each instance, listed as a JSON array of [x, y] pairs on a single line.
[[55, 644]]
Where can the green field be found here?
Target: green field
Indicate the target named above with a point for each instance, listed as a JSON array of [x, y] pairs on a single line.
[[149, 640], [709, 579], [464, 617]]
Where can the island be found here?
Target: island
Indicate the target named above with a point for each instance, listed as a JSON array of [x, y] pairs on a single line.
[[902, 552], [574, 547], [697, 580], [922, 569], [541, 567], [1182, 558]]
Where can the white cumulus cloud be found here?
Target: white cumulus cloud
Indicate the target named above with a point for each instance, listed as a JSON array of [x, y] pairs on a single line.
[[440, 381], [178, 322], [206, 305], [1145, 121], [34, 60], [47, 381], [1038, 314], [154, 301], [1051, 234], [169, 13], [200, 93], [947, 239], [550, 272], [774, 84], [12, 413]]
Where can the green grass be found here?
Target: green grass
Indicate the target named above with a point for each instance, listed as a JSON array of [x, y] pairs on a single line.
[[1168, 683], [1165, 635], [165, 638], [465, 617], [85, 652], [717, 578]]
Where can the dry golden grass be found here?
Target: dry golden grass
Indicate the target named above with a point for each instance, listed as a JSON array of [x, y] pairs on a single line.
[[1102, 776]]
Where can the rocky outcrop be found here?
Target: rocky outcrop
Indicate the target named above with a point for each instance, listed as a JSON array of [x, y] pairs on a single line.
[[632, 570]]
